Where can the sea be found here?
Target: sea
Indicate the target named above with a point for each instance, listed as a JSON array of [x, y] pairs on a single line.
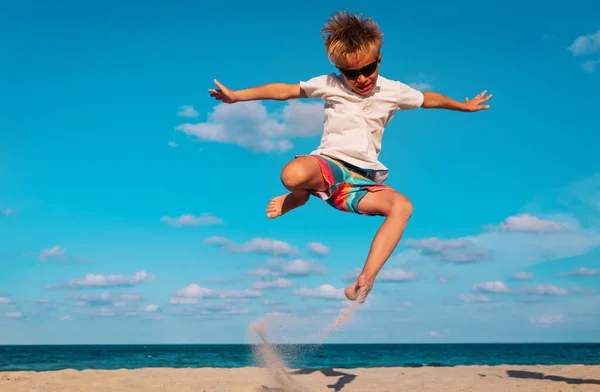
[[342, 356]]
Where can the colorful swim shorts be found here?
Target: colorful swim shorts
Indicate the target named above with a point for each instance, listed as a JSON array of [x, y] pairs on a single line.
[[347, 184]]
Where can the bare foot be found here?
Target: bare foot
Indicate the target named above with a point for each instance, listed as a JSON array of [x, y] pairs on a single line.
[[359, 290], [281, 204]]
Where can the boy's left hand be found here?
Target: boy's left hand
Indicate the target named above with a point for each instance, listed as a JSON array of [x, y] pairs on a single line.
[[475, 104]]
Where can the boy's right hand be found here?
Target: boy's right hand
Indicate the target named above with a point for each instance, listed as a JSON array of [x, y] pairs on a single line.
[[223, 93]]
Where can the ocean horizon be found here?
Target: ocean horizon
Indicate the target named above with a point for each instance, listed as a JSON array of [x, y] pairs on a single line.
[[46, 357]]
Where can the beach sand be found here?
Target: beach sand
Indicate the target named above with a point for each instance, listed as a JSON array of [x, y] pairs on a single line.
[[254, 379]]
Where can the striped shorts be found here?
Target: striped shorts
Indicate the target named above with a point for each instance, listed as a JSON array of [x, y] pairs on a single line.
[[347, 184]]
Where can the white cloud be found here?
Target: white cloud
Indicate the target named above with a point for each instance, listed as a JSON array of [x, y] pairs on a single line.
[[302, 268], [590, 65], [150, 308], [54, 251], [546, 319], [190, 220], [106, 299], [528, 223], [522, 276], [65, 318], [17, 315], [183, 300], [173, 144], [420, 86], [318, 248], [7, 212], [256, 245], [267, 284], [5, 300], [262, 272], [586, 44], [99, 280], [582, 271], [474, 298], [187, 111], [434, 334], [444, 278], [456, 251], [496, 286], [325, 291], [217, 240], [251, 126], [194, 290], [546, 289]]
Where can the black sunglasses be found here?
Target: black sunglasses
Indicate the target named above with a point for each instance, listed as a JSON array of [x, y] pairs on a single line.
[[366, 71]]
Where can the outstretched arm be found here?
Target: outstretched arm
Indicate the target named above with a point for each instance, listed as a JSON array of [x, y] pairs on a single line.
[[433, 100], [271, 91]]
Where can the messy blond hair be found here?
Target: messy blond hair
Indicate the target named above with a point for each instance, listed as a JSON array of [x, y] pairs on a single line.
[[347, 35]]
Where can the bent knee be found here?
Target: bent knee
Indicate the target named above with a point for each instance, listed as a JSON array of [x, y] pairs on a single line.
[[295, 174], [401, 205]]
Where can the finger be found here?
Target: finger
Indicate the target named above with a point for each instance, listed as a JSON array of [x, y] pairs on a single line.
[[487, 98], [220, 85], [481, 94]]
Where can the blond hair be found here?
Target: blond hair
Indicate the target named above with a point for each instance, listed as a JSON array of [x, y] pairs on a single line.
[[348, 35]]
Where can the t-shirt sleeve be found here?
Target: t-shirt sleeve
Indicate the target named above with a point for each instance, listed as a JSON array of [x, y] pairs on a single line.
[[408, 97], [315, 87]]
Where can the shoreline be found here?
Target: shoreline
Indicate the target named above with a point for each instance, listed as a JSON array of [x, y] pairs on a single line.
[[542, 378]]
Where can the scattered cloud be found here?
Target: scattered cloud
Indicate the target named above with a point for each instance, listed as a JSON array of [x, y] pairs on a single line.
[[54, 251], [498, 287], [173, 144], [585, 44], [318, 248], [106, 299], [421, 86], [299, 267], [522, 276], [15, 315], [268, 284], [99, 280], [582, 271], [187, 111], [256, 245], [528, 223], [455, 251], [390, 274], [250, 125], [5, 300], [262, 272], [445, 278], [495, 286], [65, 318], [7, 212], [474, 298], [149, 308], [196, 291], [190, 220], [590, 65], [546, 320], [325, 291]]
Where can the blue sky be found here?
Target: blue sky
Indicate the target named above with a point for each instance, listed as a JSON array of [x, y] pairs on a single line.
[[124, 221]]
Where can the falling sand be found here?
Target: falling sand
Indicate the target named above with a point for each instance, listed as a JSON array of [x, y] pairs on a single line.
[[270, 358]]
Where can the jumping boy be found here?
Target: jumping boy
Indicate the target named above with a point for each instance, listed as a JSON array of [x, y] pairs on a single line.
[[359, 103]]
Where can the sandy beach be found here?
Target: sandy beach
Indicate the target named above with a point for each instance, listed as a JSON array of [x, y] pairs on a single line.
[[254, 379]]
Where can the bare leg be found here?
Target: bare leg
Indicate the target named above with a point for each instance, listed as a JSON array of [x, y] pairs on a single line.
[[397, 210], [298, 176]]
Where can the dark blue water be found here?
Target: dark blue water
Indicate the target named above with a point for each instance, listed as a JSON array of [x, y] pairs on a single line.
[[39, 358]]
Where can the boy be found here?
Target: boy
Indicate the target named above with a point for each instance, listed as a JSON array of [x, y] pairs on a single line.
[[344, 170]]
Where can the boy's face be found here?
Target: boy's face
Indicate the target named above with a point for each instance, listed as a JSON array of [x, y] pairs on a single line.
[[361, 72]]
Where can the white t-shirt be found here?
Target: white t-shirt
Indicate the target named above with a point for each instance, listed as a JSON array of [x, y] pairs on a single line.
[[354, 124]]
